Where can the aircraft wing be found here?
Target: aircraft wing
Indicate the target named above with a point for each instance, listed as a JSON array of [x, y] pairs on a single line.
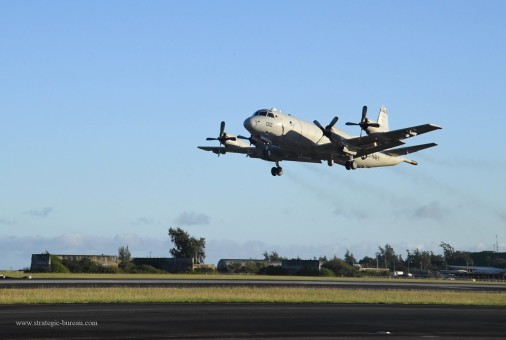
[[408, 150], [258, 152], [222, 150], [380, 141], [378, 148], [406, 132]]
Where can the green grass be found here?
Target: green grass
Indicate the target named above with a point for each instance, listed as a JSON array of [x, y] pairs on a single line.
[[246, 295]]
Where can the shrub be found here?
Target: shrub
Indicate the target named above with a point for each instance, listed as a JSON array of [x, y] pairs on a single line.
[[341, 268], [57, 266], [327, 272]]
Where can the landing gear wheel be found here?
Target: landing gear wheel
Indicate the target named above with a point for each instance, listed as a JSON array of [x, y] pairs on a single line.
[[277, 171], [351, 165], [330, 162]]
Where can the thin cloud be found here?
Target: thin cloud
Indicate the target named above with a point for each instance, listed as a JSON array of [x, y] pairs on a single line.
[[350, 214], [44, 212], [430, 211], [502, 216], [142, 221], [192, 218], [6, 221]]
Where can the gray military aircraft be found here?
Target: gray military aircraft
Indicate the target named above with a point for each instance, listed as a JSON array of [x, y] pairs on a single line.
[[277, 137]]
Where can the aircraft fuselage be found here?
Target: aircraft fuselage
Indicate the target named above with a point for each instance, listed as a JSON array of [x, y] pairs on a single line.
[[277, 137], [295, 134]]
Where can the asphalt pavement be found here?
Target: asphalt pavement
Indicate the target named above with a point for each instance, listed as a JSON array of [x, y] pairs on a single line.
[[248, 321]]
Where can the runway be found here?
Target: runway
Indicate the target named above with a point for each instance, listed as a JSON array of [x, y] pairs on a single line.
[[249, 321], [397, 284]]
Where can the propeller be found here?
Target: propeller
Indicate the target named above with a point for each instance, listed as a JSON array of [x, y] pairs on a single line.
[[364, 122], [222, 138], [327, 131]]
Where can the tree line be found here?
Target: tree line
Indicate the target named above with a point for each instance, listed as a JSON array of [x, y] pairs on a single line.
[[385, 260], [386, 257], [187, 246]]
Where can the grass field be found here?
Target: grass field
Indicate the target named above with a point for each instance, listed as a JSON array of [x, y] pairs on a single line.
[[237, 294], [246, 295]]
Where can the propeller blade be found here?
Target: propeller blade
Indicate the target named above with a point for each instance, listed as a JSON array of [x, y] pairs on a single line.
[[332, 123], [327, 131], [318, 124], [352, 124], [364, 113], [250, 139], [222, 128], [210, 138]]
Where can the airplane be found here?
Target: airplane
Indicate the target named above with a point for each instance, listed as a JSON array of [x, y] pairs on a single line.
[[277, 137]]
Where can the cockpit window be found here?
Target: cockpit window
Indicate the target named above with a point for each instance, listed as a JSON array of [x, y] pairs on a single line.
[[265, 113], [261, 113]]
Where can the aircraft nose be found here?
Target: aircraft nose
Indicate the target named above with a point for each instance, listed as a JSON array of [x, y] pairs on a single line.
[[249, 124]]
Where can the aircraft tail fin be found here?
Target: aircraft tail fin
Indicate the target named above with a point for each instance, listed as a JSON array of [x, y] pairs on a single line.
[[383, 119]]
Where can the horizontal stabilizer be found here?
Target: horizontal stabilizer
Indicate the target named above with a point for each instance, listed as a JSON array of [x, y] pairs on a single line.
[[408, 150]]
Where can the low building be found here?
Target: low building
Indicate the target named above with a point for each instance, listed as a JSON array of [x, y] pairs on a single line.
[[42, 262], [224, 265], [290, 267], [473, 272], [301, 266], [168, 264]]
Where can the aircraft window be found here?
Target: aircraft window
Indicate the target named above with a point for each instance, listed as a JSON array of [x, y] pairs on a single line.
[[261, 113], [270, 115]]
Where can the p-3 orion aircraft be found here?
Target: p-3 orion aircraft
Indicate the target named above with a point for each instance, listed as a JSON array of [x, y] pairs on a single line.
[[277, 137]]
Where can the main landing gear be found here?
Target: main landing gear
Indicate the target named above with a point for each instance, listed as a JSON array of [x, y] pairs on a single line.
[[277, 170], [351, 165]]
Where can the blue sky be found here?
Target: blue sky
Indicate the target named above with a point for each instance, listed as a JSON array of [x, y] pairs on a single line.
[[103, 104]]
